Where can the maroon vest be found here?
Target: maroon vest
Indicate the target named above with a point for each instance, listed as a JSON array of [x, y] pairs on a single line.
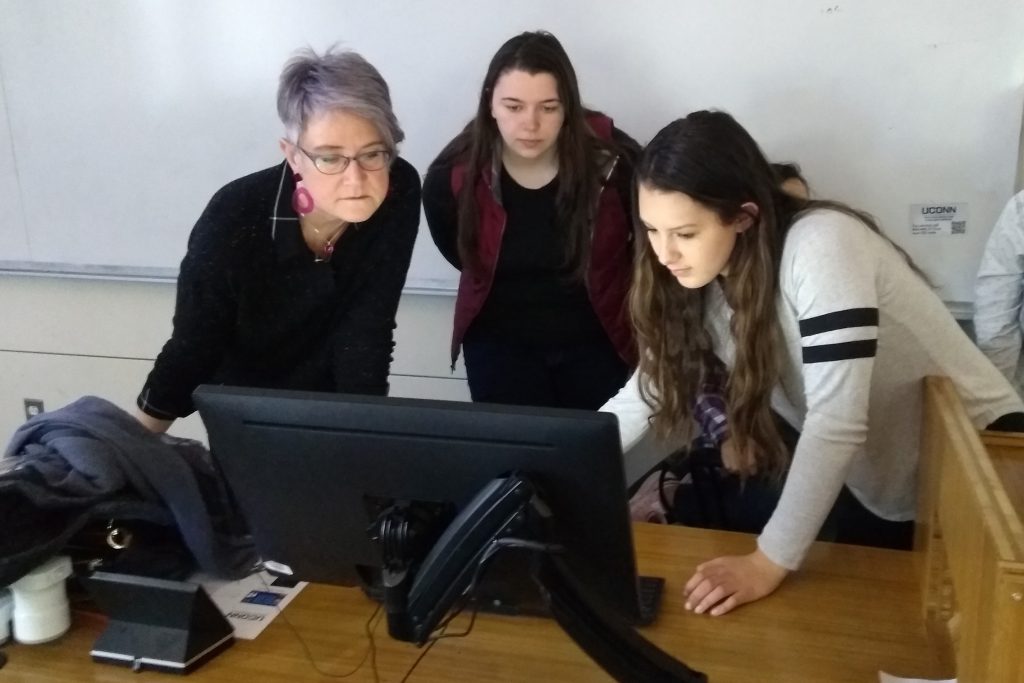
[[608, 274]]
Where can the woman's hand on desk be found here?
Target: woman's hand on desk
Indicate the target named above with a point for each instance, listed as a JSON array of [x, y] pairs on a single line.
[[727, 582]]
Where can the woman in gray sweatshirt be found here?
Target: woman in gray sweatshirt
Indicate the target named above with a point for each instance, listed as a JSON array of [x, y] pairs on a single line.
[[819, 319]]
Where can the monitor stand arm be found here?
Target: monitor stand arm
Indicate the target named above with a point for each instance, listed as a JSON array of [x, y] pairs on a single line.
[[417, 598], [418, 594], [607, 639]]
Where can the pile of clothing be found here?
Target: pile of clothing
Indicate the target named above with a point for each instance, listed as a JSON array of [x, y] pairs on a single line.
[[89, 467]]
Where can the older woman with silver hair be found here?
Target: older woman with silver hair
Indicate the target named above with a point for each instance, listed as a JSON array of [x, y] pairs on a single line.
[[293, 274]]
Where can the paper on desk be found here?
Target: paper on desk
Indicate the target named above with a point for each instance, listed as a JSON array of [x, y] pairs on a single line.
[[250, 604], [889, 678]]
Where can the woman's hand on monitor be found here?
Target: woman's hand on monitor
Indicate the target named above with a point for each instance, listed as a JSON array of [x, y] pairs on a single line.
[[720, 585]]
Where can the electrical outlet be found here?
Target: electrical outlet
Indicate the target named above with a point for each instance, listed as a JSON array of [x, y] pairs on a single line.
[[33, 406]]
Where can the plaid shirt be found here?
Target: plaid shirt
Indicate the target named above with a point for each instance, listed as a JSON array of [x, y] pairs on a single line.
[[709, 409]]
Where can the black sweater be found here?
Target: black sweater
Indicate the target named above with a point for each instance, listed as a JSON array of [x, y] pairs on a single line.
[[534, 299], [254, 308]]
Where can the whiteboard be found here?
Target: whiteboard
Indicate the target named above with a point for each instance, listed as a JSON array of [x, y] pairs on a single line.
[[122, 117]]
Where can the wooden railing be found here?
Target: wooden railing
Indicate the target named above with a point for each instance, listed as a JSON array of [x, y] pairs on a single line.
[[970, 540]]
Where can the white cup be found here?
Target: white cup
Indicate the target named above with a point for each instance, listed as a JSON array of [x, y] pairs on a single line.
[[41, 610]]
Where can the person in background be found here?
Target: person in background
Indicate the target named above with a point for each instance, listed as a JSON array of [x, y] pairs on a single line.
[[532, 203], [791, 180], [819, 319], [999, 293], [293, 274]]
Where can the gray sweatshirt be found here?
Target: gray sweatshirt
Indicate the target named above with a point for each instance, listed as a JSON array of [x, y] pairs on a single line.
[[861, 330]]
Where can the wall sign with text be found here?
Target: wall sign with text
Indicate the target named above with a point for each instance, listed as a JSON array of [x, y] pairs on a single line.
[[943, 220]]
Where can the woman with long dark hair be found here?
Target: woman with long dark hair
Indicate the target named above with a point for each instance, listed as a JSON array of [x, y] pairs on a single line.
[[530, 202], [820, 320]]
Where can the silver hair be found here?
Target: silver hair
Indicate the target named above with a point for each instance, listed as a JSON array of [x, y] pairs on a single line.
[[338, 80]]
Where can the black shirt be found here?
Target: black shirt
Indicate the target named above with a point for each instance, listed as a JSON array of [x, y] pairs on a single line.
[[255, 309], [534, 298]]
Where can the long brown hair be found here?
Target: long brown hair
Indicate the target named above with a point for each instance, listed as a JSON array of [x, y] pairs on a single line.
[[711, 158], [579, 160]]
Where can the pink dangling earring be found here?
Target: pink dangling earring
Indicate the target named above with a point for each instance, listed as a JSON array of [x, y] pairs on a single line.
[[302, 200]]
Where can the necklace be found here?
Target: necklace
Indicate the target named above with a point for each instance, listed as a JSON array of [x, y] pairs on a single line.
[[326, 249]]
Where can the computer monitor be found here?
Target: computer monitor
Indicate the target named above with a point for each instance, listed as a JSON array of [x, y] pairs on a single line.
[[311, 471], [334, 485]]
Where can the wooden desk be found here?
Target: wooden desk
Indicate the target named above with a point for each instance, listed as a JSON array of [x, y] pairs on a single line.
[[851, 612]]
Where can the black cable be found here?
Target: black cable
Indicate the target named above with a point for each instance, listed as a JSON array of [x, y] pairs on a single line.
[[442, 635], [468, 594], [469, 626], [371, 647], [369, 627], [423, 654]]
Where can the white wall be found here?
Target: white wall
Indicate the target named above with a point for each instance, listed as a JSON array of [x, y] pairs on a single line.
[[62, 338], [109, 105]]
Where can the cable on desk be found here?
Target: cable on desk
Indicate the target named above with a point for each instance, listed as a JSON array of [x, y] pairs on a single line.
[[371, 646], [432, 643]]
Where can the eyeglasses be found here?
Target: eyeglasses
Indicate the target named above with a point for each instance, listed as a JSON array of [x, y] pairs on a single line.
[[332, 164]]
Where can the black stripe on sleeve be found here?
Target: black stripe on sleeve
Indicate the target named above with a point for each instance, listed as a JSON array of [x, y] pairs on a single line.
[[838, 320], [864, 348]]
